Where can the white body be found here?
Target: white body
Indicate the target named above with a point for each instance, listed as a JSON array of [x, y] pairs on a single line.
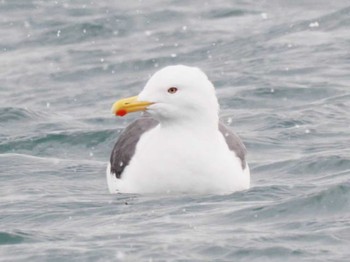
[[190, 162], [186, 152]]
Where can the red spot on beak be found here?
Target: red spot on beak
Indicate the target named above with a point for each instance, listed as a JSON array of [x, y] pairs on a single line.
[[121, 112]]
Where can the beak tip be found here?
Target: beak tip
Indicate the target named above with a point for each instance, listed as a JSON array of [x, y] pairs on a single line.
[[121, 112]]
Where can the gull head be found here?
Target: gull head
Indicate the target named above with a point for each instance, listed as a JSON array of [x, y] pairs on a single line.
[[174, 93]]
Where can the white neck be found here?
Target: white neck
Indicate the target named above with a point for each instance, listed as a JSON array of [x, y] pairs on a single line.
[[199, 125]]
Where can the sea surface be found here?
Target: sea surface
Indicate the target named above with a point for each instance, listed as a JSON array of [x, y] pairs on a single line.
[[282, 73]]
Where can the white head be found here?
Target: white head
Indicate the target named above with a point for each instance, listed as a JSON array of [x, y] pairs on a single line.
[[175, 93]]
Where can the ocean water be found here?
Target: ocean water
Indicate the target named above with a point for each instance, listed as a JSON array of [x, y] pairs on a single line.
[[281, 69]]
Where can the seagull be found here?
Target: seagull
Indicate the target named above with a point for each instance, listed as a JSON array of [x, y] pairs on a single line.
[[178, 145]]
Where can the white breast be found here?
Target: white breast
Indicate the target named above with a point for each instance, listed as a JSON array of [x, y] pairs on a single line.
[[182, 162]]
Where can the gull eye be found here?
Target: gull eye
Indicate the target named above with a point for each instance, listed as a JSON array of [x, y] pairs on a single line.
[[172, 90]]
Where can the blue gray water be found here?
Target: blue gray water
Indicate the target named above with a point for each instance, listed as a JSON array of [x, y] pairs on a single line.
[[281, 69]]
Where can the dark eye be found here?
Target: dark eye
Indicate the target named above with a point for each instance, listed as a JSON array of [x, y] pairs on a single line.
[[172, 90]]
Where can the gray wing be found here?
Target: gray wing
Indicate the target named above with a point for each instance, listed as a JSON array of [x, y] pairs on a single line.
[[234, 143], [124, 149]]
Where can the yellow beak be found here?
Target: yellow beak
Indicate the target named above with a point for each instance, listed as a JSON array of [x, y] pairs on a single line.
[[129, 105]]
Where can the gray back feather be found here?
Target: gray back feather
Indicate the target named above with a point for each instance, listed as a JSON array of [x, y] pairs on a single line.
[[125, 147], [234, 143]]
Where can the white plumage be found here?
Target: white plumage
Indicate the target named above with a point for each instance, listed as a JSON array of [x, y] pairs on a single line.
[[185, 152]]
